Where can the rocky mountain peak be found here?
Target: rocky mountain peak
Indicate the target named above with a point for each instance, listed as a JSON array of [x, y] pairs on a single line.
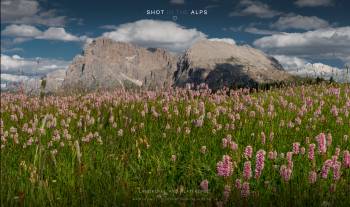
[[107, 64], [222, 64]]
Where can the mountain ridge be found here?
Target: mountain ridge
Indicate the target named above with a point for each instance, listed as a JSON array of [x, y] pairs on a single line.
[[108, 64]]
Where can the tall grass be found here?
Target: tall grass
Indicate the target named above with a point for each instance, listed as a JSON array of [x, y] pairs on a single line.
[[147, 148]]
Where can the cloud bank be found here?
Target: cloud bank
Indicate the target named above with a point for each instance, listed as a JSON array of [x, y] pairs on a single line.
[[254, 8], [29, 12], [322, 43], [313, 3], [156, 33], [300, 22], [227, 40], [17, 65], [26, 32], [301, 67], [15, 69]]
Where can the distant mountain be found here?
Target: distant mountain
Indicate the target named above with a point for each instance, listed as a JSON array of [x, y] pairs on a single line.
[[322, 71], [109, 64], [220, 64], [33, 85], [301, 67]]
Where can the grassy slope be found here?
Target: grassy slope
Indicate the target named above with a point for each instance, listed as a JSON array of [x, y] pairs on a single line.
[[123, 169]]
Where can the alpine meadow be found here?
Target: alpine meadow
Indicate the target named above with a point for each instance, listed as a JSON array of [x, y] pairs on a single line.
[[284, 147]]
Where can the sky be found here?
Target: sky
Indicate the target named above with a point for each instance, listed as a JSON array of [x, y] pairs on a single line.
[[39, 36]]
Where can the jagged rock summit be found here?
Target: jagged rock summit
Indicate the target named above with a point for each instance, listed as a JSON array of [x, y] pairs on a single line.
[[108, 64], [220, 64]]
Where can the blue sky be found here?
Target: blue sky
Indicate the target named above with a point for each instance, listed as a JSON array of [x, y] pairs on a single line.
[[295, 31]]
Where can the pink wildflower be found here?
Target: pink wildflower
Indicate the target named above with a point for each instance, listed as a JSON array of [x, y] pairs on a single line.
[[227, 191], [346, 159], [296, 148], [263, 138], [225, 167], [312, 177], [321, 139], [248, 152], [336, 170], [334, 159], [334, 110], [224, 142], [198, 122], [247, 170], [272, 155], [337, 152], [233, 145], [245, 191], [204, 185], [285, 173], [238, 183], [329, 139], [259, 166], [325, 168], [312, 151]]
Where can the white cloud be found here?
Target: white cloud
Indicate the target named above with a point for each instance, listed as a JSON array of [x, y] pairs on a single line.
[[13, 78], [156, 33], [290, 62], [254, 8], [15, 82], [333, 43], [313, 3], [14, 62], [177, 1], [17, 65], [28, 12], [300, 22], [12, 10], [254, 30], [54, 33], [32, 84], [301, 67], [26, 32], [21, 31], [227, 40]]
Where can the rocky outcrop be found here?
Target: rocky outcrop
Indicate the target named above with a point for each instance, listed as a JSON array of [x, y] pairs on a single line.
[[51, 83], [109, 64], [220, 64], [54, 80]]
